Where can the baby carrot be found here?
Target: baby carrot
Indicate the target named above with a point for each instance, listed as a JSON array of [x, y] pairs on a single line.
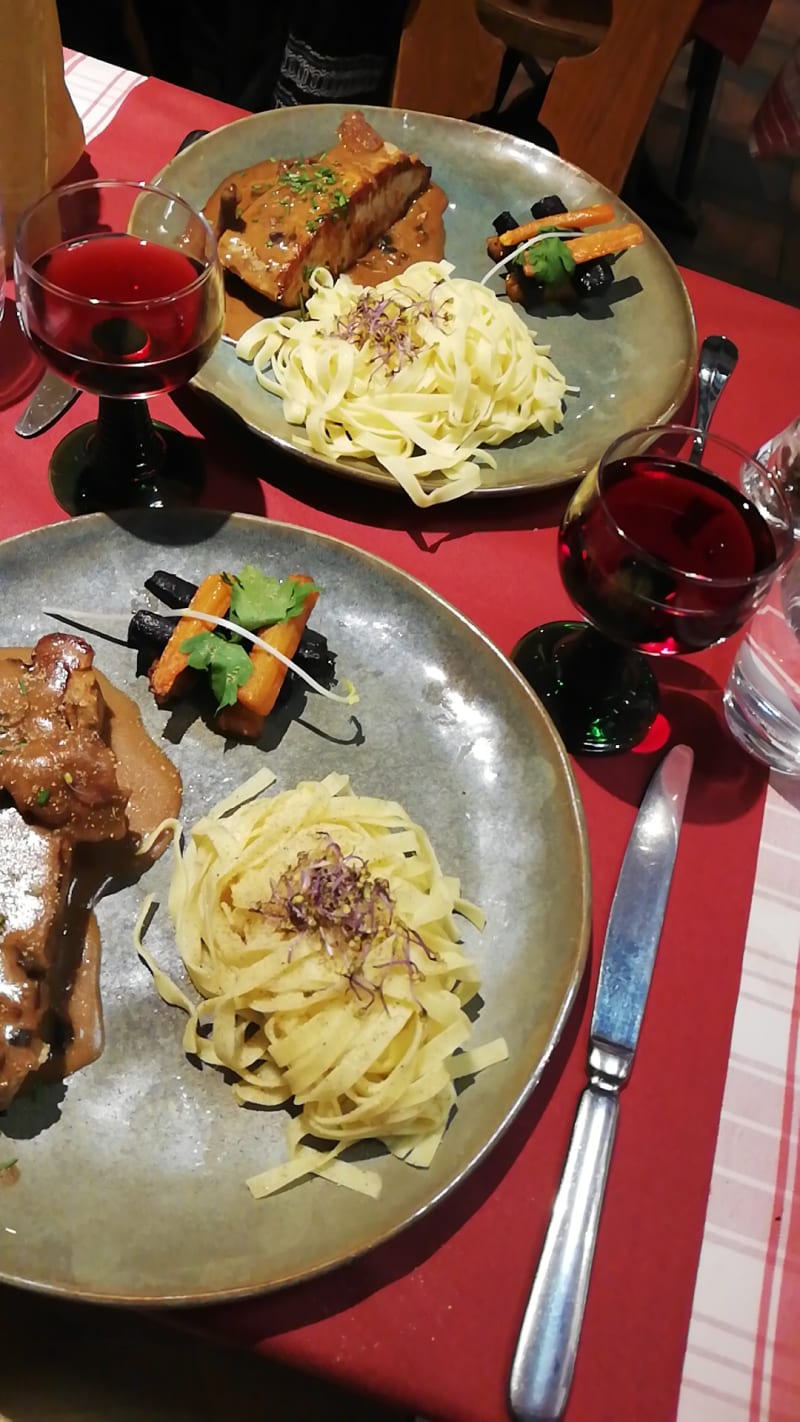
[[593, 216], [167, 674], [260, 691]]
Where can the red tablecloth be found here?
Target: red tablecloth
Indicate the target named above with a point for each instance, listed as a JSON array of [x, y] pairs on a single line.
[[429, 1321]]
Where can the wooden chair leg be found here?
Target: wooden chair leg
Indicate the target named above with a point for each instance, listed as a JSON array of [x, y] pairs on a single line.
[[508, 68], [706, 62]]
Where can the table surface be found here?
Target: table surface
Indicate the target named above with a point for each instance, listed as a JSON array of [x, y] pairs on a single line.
[[429, 1321]]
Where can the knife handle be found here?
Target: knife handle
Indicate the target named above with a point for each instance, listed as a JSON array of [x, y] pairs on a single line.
[[544, 1361]]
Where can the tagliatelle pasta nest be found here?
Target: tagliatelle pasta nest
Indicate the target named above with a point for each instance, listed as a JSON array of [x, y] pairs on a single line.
[[320, 933], [419, 372]]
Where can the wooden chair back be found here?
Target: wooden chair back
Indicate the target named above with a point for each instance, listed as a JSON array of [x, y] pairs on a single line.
[[598, 103], [447, 62]]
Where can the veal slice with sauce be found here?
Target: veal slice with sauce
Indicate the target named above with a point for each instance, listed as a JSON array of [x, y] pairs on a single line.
[[50, 1014], [363, 205]]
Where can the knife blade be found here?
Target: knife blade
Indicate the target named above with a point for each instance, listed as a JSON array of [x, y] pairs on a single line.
[[51, 398], [544, 1360]]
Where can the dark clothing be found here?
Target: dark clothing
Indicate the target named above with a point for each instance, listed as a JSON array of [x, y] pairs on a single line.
[[259, 54]]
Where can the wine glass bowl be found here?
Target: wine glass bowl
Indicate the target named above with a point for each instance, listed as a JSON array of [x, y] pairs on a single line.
[[663, 556], [120, 290]]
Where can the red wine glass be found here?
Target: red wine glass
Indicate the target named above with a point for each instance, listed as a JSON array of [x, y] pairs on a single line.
[[663, 556], [120, 290]]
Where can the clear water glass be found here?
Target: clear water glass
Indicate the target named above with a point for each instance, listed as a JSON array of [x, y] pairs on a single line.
[[762, 698]]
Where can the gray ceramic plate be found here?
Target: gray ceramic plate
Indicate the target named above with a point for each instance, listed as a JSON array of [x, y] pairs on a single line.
[[632, 359], [131, 1178]]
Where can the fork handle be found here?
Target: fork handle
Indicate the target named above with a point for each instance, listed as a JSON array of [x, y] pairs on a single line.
[[544, 1360]]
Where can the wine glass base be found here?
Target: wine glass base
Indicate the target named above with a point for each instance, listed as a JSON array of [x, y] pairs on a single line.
[[81, 487], [602, 697]]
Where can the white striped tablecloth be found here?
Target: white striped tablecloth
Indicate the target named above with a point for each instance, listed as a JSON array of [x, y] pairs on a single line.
[[98, 89], [743, 1355]]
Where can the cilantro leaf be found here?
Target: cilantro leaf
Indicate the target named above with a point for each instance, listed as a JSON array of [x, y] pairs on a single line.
[[227, 664], [258, 601], [551, 260]]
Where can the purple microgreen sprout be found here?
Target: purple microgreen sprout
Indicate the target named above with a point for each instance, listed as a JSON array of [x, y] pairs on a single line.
[[334, 898], [389, 325]]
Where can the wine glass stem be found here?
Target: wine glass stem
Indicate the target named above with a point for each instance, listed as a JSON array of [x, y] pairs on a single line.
[[126, 444]]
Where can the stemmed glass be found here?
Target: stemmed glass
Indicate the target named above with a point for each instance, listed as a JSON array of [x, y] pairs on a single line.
[[120, 289], [663, 555]]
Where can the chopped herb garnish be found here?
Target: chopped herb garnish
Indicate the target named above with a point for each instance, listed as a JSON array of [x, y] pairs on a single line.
[[305, 182], [42, 796], [22, 687]]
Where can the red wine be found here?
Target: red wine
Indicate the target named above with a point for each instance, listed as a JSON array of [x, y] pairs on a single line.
[[89, 332], [667, 558]]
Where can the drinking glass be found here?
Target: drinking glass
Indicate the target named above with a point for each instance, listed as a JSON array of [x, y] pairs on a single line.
[[120, 289], [762, 697], [663, 556]]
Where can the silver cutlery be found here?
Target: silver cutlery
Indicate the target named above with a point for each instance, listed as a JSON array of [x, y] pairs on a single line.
[[718, 357], [50, 399], [544, 1361]]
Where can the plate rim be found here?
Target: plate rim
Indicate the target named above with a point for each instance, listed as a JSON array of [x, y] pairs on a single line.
[[371, 474], [124, 518]]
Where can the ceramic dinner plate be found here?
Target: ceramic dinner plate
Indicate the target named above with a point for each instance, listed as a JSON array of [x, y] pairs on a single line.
[[131, 1175], [632, 358]]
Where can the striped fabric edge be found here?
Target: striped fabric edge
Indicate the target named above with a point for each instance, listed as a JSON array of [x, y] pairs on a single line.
[[98, 89], [742, 1361]]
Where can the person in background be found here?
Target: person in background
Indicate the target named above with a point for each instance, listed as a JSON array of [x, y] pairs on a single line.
[[258, 54]]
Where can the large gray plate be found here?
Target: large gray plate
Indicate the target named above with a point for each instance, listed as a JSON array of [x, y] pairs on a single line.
[[131, 1184], [633, 359]]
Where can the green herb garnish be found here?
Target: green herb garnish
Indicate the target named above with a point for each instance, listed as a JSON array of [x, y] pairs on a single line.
[[551, 261], [42, 796], [258, 601], [227, 664]]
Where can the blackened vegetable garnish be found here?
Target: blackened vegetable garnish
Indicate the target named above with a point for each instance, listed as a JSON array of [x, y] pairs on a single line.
[[333, 897]]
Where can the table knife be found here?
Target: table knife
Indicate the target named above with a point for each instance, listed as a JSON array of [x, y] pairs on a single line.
[[544, 1361], [51, 398]]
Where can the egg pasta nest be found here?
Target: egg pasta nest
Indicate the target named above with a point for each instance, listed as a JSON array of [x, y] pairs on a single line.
[[419, 372], [320, 933]]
